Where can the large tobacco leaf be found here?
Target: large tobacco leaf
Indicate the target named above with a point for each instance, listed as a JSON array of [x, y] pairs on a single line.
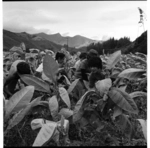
[[132, 73], [22, 113], [50, 67], [64, 96], [53, 106], [113, 59], [19, 100], [78, 110], [39, 84], [123, 100]]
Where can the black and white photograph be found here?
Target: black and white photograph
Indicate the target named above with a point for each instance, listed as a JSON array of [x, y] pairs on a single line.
[[74, 73]]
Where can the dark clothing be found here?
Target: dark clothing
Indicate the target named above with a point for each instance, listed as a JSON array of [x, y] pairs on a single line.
[[82, 71], [10, 83]]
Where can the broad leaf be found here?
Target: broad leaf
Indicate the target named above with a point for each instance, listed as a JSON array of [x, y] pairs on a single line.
[[123, 87], [62, 122], [125, 125], [117, 112], [144, 127], [64, 96], [45, 134], [77, 114], [50, 67], [113, 59], [138, 94], [39, 84], [66, 112], [72, 86], [37, 123], [123, 100], [103, 86], [21, 114], [53, 106], [13, 67], [132, 73], [19, 100], [67, 81]]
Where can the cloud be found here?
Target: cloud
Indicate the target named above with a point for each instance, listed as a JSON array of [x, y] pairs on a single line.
[[28, 20], [105, 37], [65, 34]]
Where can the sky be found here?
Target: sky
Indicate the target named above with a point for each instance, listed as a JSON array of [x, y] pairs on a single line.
[[97, 20]]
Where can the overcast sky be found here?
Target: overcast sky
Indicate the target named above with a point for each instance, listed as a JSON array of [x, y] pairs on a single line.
[[93, 19]]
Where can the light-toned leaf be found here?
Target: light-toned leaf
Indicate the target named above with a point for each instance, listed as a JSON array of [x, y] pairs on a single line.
[[138, 94], [113, 59], [123, 100], [64, 96], [67, 81], [123, 88], [19, 100], [37, 123], [132, 73], [45, 134], [86, 84], [66, 112], [21, 114], [77, 114], [53, 106], [65, 125], [13, 67], [62, 121], [44, 77], [103, 86], [50, 67], [39, 84], [72, 86], [144, 127], [117, 112]]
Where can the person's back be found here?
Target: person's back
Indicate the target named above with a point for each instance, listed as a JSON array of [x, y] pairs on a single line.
[[83, 70], [11, 81]]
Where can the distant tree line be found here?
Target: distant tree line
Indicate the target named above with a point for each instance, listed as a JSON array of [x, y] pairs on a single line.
[[110, 45]]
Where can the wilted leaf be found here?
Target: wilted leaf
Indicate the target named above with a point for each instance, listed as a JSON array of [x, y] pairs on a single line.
[[53, 105], [64, 96], [21, 114], [123, 100], [66, 112], [39, 84], [72, 86], [103, 86], [50, 67], [144, 127], [113, 59], [117, 112], [19, 100], [37, 123], [138, 94], [45, 134], [132, 73]]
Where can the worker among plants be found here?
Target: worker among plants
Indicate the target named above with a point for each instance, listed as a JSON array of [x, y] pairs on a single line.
[[14, 75]]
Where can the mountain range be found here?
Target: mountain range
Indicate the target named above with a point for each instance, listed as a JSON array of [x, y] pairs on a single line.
[[76, 41], [42, 41]]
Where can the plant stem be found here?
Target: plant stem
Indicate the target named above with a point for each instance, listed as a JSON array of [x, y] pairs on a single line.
[[21, 136]]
